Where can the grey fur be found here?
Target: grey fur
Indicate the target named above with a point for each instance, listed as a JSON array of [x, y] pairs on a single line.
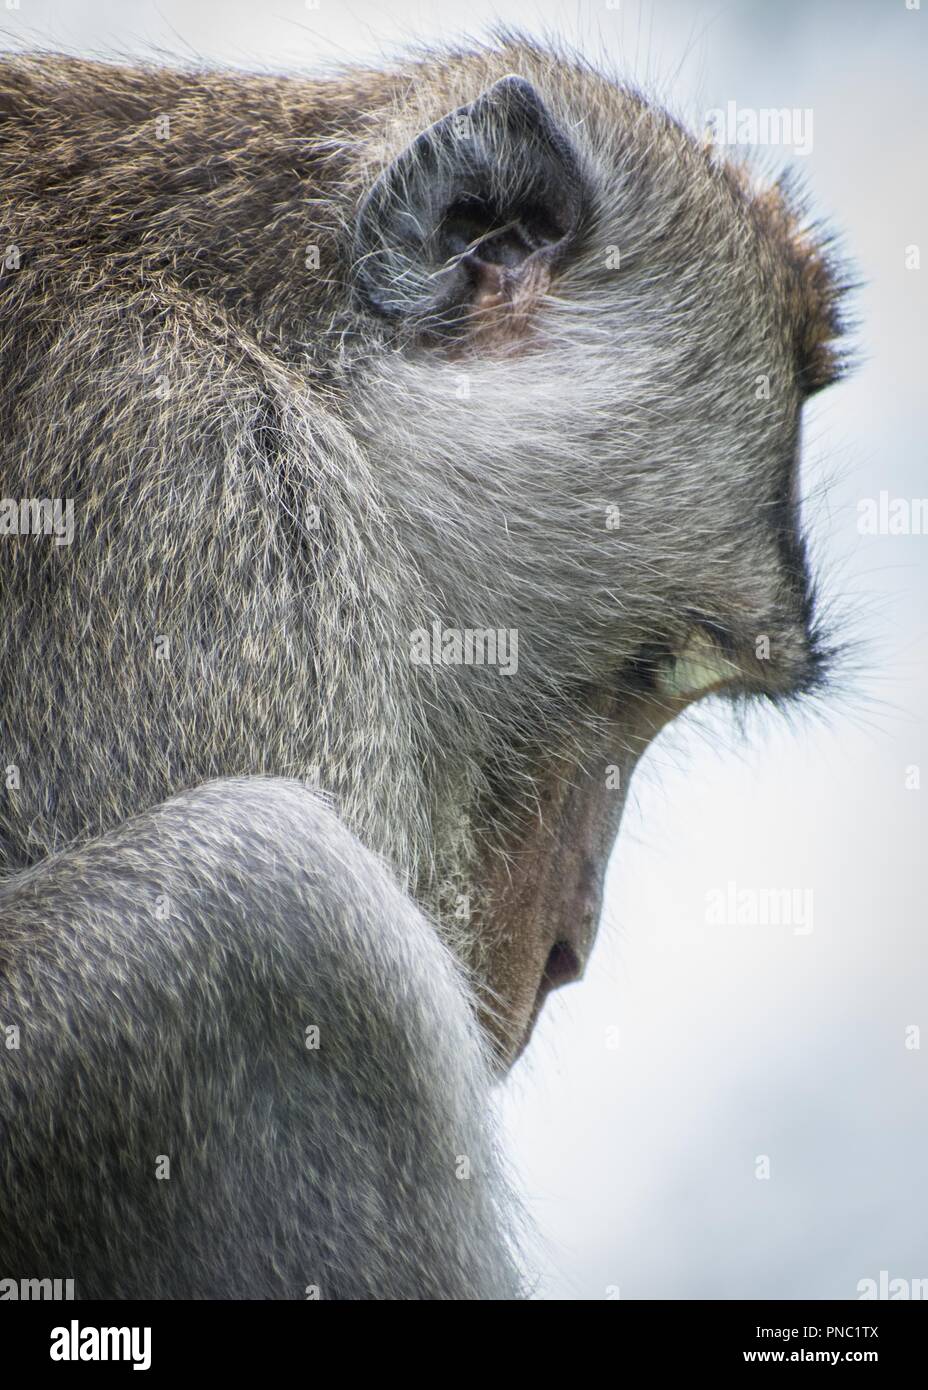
[[337, 1166], [275, 468]]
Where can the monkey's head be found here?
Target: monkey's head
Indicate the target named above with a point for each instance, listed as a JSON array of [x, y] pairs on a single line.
[[539, 392], [587, 344]]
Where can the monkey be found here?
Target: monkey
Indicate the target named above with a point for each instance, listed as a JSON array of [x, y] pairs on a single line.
[[431, 440]]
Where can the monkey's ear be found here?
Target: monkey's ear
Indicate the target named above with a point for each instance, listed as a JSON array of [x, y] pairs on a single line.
[[473, 215]]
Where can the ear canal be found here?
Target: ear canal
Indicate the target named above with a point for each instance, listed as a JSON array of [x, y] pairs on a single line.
[[482, 204]]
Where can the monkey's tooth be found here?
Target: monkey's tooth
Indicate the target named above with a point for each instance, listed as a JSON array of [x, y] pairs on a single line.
[[699, 667]]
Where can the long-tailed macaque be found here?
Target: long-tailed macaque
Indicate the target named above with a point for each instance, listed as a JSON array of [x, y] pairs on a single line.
[[385, 459]]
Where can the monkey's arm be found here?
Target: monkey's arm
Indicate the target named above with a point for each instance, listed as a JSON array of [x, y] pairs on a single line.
[[172, 1127]]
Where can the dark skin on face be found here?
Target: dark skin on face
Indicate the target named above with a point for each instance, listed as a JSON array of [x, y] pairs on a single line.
[[546, 885]]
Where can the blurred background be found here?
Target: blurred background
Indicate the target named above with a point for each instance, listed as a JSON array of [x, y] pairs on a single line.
[[725, 1111]]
